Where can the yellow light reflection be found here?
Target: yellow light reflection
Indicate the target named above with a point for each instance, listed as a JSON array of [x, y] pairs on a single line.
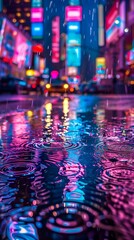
[[48, 108], [65, 106], [48, 119], [29, 113]]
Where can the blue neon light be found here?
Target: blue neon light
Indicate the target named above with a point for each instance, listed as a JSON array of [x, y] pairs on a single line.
[[73, 39], [74, 2], [37, 30], [73, 27], [73, 56]]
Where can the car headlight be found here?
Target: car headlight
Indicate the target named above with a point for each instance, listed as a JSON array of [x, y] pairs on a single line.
[[65, 86], [48, 86]]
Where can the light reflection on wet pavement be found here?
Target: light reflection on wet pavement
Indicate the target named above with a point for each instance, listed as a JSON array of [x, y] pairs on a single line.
[[67, 170]]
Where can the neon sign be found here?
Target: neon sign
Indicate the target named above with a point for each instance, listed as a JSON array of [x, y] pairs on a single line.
[[100, 66], [111, 23], [72, 71], [73, 27], [37, 30], [54, 74], [55, 39], [73, 39], [130, 57], [73, 56], [73, 13], [36, 3], [37, 15], [74, 2]]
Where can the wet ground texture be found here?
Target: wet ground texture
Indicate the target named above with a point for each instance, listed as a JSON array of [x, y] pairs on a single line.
[[67, 170]]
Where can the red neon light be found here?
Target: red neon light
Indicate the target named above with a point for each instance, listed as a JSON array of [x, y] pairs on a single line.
[[7, 60], [112, 15], [38, 48]]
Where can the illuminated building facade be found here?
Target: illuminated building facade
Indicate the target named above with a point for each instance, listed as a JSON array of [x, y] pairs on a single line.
[[35, 17], [119, 25], [19, 12]]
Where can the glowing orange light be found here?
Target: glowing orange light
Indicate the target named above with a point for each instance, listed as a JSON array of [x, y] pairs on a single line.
[[71, 89]]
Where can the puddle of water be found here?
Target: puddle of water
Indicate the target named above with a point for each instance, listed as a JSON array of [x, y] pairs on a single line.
[[67, 170]]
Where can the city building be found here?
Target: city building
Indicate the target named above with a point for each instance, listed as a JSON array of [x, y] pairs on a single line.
[[19, 12], [88, 31], [44, 19], [119, 50], [15, 50]]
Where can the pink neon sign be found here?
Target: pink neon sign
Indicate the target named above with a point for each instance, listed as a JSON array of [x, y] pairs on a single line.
[[20, 50], [37, 15], [55, 39], [73, 13], [54, 74]]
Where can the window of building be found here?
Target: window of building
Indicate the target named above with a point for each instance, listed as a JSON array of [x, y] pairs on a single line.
[[26, 28], [22, 20], [27, 14], [14, 20], [17, 1], [18, 14]]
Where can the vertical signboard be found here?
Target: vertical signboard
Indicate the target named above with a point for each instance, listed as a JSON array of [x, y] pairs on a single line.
[[56, 39], [112, 23], [37, 18], [101, 32], [63, 47], [73, 18]]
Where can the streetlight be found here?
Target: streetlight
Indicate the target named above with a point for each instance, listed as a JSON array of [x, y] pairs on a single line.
[[117, 21], [126, 30]]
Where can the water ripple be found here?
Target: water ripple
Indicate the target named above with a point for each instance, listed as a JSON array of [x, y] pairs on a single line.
[[72, 169], [53, 145], [68, 218], [18, 169], [118, 174]]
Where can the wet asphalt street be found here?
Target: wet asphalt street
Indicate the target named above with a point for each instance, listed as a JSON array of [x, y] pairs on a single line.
[[67, 168]]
